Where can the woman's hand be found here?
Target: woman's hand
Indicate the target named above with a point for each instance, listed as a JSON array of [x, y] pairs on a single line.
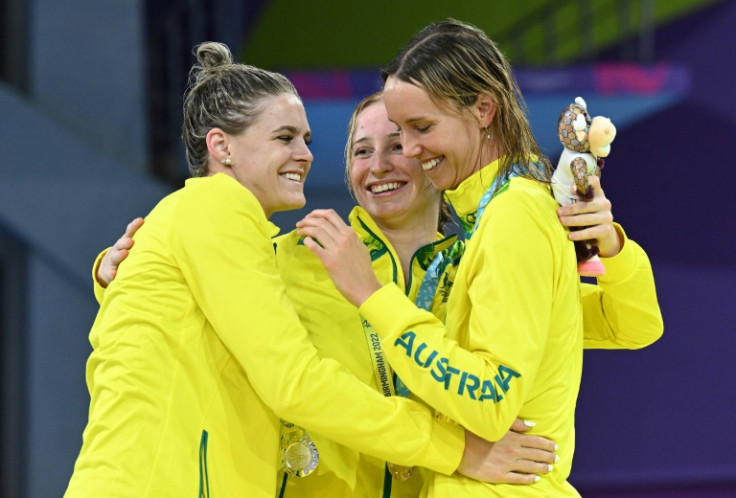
[[342, 253], [517, 458], [116, 254], [596, 216]]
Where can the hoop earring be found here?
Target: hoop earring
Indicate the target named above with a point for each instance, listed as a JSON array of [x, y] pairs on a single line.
[[226, 161]]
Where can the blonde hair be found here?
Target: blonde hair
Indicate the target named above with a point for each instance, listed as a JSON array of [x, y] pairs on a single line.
[[352, 125], [455, 62], [444, 215], [226, 95]]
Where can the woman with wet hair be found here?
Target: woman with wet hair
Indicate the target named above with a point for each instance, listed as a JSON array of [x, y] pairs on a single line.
[[517, 317]]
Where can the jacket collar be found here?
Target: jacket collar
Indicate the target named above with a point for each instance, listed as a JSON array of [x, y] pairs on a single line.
[[465, 198], [378, 244]]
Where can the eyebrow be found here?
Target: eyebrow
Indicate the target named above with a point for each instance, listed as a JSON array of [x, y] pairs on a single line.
[[291, 129], [362, 139], [368, 139], [415, 120]]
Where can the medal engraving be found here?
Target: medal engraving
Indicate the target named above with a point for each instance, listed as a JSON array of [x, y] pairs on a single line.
[[298, 454]]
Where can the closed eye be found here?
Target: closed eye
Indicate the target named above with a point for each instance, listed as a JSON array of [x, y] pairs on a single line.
[[290, 138]]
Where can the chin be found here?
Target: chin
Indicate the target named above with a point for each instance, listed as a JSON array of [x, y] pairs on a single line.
[[293, 204], [441, 185]]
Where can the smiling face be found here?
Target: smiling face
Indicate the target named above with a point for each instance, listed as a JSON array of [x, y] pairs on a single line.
[[448, 144], [389, 186], [271, 157]]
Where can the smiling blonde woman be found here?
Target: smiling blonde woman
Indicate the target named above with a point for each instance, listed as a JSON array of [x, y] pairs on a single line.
[[197, 351]]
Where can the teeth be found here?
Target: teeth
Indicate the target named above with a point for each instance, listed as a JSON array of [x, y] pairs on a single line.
[[431, 164], [292, 176], [377, 189]]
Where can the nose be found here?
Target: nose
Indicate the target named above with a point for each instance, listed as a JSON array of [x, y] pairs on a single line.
[[303, 153], [381, 163], [410, 146]]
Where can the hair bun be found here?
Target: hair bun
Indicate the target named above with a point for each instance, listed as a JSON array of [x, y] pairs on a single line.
[[213, 54]]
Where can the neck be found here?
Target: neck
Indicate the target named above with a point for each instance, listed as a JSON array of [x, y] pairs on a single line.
[[488, 153], [408, 238]]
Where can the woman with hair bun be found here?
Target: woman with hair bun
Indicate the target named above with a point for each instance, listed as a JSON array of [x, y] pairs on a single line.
[[398, 214], [197, 350]]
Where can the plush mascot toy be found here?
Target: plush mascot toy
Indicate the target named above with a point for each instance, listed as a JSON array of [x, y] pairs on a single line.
[[586, 142]]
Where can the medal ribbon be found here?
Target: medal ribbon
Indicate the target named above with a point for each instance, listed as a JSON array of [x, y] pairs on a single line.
[[384, 380], [425, 296], [381, 368]]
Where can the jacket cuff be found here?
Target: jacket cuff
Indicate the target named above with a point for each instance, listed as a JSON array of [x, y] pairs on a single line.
[[381, 307], [623, 264], [446, 448]]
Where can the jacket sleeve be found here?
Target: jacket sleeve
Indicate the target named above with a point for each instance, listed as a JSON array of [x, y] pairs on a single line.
[[227, 258], [622, 311], [510, 293], [98, 289]]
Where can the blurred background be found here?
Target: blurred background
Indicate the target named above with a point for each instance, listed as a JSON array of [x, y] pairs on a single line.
[[90, 111]]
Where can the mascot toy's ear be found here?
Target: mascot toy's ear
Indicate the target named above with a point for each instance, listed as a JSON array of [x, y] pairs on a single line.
[[573, 125], [581, 127]]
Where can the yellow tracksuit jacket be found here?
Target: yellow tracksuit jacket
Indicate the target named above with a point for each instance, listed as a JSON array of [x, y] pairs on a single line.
[[514, 334], [620, 313], [197, 352]]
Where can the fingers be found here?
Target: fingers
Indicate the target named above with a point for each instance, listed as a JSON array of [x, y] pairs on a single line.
[[520, 425], [531, 468], [318, 233], [538, 446], [133, 227], [595, 183], [535, 442], [597, 211], [595, 205], [534, 461], [595, 232], [341, 252], [517, 478], [584, 206], [324, 217], [542, 456], [326, 227], [126, 240], [108, 268], [314, 245], [604, 217], [508, 460]]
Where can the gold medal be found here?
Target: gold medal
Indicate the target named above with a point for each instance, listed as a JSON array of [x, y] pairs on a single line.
[[400, 472], [298, 454]]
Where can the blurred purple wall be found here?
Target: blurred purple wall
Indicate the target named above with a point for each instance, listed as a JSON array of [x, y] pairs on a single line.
[[663, 418]]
